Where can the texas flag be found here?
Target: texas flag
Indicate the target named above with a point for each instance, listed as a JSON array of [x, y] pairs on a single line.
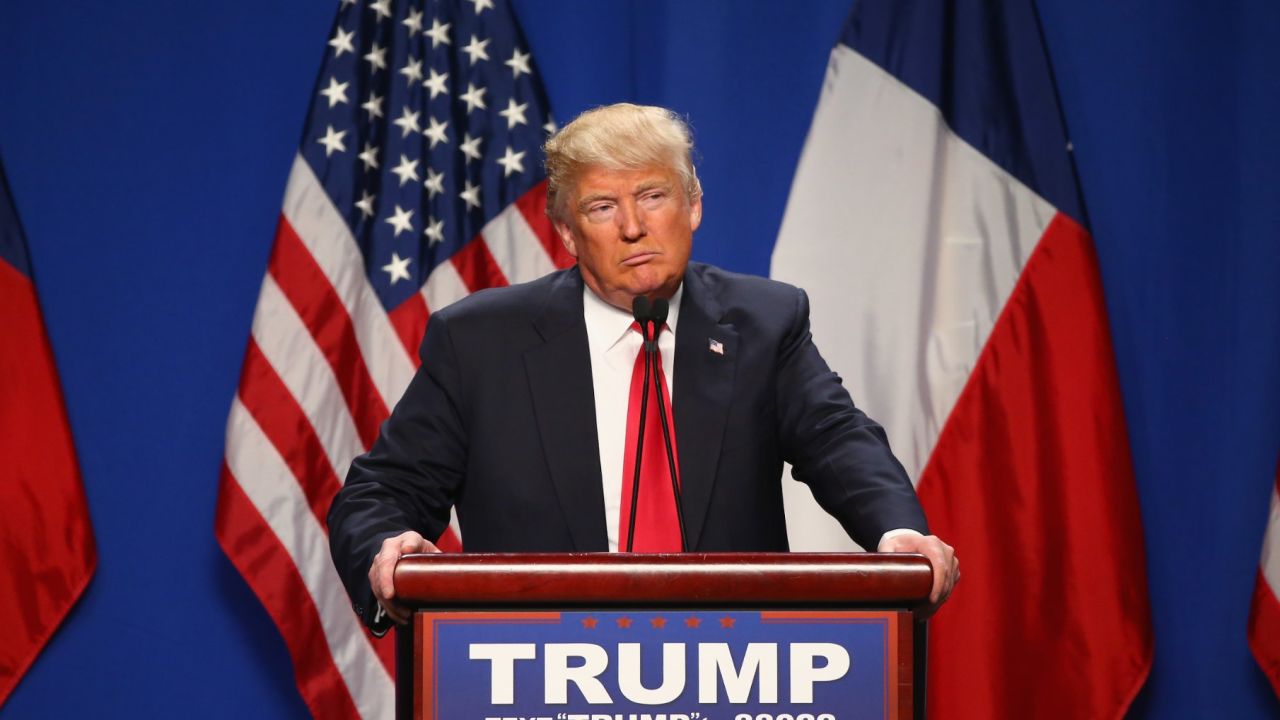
[[936, 221]]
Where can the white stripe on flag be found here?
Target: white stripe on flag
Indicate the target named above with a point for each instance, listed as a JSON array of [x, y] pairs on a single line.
[[902, 300], [1270, 564], [515, 247], [271, 487], [291, 350], [327, 237], [444, 286]]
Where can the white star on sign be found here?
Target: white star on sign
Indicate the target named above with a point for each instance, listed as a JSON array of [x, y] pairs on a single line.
[[439, 33], [341, 42], [332, 141], [398, 268], [519, 63], [377, 56], [365, 203], [436, 82], [471, 194], [476, 49], [470, 146], [407, 170], [369, 156], [412, 70], [473, 97], [373, 105], [408, 122], [434, 231], [481, 5], [434, 183], [511, 162], [401, 222], [413, 22], [514, 113], [382, 7], [336, 92], [436, 131]]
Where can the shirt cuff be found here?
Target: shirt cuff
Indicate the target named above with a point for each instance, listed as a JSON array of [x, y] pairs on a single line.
[[896, 532]]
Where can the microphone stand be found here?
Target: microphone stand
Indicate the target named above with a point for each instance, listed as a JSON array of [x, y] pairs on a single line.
[[641, 311], [659, 317]]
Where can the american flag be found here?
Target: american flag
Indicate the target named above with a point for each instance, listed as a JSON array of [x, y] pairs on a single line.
[[418, 181]]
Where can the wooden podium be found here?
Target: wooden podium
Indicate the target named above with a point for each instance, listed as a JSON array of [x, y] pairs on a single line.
[[456, 594]]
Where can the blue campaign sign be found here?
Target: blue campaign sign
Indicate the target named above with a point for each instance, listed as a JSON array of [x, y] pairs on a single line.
[[669, 665]]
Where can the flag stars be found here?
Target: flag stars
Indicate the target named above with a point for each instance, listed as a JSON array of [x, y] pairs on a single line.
[[435, 131], [470, 194], [434, 183], [407, 170], [373, 105], [369, 156], [519, 63], [551, 127], [336, 92], [341, 43], [412, 70], [515, 113], [477, 49], [402, 221], [436, 82], [365, 203], [434, 231], [512, 162], [470, 146], [474, 97], [382, 8], [408, 122], [413, 22], [398, 268], [481, 5], [377, 57], [332, 141], [439, 33]]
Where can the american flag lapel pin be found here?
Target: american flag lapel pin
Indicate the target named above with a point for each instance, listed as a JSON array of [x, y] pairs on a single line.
[[716, 346]]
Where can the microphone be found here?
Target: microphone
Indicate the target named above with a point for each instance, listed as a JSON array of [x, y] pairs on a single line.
[[642, 311], [658, 314]]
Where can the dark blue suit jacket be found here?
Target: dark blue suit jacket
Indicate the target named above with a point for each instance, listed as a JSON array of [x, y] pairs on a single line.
[[500, 422]]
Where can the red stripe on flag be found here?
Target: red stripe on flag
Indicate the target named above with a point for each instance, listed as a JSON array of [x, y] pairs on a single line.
[[47, 552], [533, 206], [285, 424], [322, 311], [409, 319], [1031, 481], [266, 565], [1264, 631], [476, 266]]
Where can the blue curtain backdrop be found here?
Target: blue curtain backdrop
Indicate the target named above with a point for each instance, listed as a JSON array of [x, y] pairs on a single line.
[[148, 144]]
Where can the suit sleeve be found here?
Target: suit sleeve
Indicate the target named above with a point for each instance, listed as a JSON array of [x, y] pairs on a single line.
[[834, 448], [409, 479]]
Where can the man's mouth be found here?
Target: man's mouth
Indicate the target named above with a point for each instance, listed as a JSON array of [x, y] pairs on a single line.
[[639, 258]]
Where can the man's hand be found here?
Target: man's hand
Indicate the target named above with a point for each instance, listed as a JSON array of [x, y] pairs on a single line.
[[946, 567], [382, 571]]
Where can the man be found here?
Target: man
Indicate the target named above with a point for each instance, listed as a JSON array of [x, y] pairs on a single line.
[[523, 415]]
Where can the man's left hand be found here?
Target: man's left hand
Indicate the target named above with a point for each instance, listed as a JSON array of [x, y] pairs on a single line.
[[946, 567]]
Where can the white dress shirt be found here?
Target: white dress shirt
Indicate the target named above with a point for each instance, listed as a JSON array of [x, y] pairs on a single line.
[[614, 346]]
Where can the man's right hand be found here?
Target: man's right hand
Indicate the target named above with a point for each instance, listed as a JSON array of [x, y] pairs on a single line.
[[382, 571]]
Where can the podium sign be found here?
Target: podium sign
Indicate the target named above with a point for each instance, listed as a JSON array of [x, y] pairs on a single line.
[[661, 637]]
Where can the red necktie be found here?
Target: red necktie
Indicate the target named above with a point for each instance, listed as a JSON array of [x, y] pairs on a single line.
[[657, 527]]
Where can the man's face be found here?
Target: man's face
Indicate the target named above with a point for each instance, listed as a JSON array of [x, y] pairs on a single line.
[[631, 231]]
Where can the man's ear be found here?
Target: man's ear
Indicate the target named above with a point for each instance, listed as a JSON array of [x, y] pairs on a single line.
[[695, 212], [566, 237]]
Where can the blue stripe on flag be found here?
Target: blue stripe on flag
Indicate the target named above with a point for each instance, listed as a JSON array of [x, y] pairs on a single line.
[[984, 66]]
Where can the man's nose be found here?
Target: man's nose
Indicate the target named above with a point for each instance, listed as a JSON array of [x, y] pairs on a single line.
[[630, 222]]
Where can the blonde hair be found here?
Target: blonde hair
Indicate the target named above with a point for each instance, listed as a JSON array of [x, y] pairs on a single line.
[[619, 136]]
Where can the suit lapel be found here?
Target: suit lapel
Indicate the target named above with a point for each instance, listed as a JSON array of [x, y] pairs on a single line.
[[704, 388], [564, 403]]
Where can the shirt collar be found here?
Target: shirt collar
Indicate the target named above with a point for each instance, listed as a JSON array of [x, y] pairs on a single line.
[[606, 324]]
